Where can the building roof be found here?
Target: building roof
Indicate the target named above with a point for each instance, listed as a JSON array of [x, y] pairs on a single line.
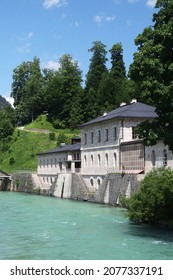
[[133, 110], [4, 174], [65, 148]]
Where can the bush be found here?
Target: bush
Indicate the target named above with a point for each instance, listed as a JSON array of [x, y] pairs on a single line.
[[52, 136], [11, 161], [154, 200], [62, 138]]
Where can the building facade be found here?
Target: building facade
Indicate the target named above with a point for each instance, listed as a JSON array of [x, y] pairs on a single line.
[[64, 159], [109, 145]]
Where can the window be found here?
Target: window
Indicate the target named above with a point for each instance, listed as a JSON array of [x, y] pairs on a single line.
[[106, 160], [134, 134], [78, 156], [85, 138], [165, 157], [99, 136], [106, 134], [115, 133], [92, 182], [98, 183], [92, 137], [74, 156], [115, 160], [153, 158], [85, 161], [91, 160], [99, 160]]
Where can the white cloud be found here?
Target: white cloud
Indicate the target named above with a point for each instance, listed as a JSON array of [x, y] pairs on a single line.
[[30, 35], [51, 3], [128, 22], [24, 48], [76, 23], [110, 18], [52, 65], [151, 3], [100, 19]]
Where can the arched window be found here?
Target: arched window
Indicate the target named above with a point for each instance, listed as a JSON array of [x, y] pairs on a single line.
[[85, 160], [98, 183], [153, 158], [115, 160], [91, 160], [106, 160], [99, 160], [165, 157], [92, 182]]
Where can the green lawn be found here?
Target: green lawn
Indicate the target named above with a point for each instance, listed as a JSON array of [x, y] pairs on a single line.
[[21, 153]]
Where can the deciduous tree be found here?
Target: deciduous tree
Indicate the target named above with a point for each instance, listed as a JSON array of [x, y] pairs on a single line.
[[152, 69]]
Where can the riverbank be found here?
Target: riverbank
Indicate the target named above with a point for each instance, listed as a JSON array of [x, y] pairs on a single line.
[[73, 186]]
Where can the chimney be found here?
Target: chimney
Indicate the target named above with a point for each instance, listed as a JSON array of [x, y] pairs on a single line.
[[62, 145], [122, 104], [133, 101]]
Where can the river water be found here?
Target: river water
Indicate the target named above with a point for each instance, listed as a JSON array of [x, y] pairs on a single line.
[[37, 227]]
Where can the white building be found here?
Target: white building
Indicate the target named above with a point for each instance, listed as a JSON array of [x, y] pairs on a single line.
[[64, 159], [109, 145]]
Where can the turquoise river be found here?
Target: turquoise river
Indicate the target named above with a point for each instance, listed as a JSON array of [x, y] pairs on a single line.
[[36, 227]]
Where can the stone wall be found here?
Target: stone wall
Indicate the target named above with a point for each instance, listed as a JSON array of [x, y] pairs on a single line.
[[115, 185], [23, 182]]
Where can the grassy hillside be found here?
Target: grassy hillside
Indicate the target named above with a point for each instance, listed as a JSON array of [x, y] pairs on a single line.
[[20, 153]]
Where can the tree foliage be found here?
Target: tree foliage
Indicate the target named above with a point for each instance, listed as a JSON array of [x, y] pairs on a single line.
[[153, 202], [27, 91], [63, 93], [152, 69], [7, 123]]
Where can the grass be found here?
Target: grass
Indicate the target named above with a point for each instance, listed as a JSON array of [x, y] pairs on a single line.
[[20, 153], [41, 123]]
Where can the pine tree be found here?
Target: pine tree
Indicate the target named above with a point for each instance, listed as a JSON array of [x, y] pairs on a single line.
[[94, 76]]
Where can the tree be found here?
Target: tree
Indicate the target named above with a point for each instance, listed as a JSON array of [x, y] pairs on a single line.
[[112, 88], [153, 202], [94, 76], [152, 69], [71, 88], [27, 90], [64, 92], [117, 70], [7, 123]]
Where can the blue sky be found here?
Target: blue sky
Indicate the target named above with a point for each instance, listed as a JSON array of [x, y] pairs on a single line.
[[48, 29]]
